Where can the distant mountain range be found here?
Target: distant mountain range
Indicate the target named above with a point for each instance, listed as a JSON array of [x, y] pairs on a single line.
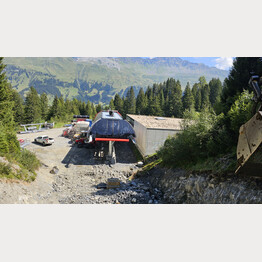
[[98, 78]]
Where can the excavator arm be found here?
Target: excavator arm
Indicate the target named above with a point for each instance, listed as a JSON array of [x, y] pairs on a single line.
[[249, 149]]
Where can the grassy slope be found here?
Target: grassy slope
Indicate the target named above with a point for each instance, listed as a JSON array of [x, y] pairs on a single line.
[[118, 73]]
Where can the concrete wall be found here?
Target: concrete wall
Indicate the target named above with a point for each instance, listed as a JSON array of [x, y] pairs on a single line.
[[156, 138], [141, 137], [150, 139]]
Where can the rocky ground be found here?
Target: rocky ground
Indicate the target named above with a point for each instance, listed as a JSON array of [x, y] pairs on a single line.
[[181, 187], [78, 178]]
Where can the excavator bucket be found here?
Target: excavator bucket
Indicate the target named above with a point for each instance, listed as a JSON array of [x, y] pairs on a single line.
[[249, 148]]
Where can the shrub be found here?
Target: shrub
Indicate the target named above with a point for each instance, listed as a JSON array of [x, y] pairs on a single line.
[[13, 144], [8, 141], [3, 141], [241, 111], [28, 160], [204, 136], [5, 171]]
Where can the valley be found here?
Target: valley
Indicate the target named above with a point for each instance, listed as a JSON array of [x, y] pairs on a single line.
[[99, 79]]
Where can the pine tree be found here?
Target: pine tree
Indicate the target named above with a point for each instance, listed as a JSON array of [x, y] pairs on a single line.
[[53, 113], [141, 102], [202, 81], [177, 100], [205, 93], [118, 103], [61, 108], [111, 104], [4, 148], [198, 100], [237, 80], [170, 92], [93, 110], [99, 108], [89, 109], [75, 107], [155, 107], [131, 101], [83, 109], [68, 107], [215, 91], [150, 107], [18, 107], [8, 139], [194, 90], [6, 103], [32, 106], [188, 98], [44, 106], [162, 100], [125, 106]]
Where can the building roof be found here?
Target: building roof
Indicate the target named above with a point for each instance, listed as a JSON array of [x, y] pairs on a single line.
[[157, 122]]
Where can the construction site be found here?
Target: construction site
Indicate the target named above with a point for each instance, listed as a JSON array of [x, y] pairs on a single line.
[[89, 162], [94, 162]]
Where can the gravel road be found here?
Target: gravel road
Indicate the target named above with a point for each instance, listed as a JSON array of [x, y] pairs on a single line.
[[78, 176]]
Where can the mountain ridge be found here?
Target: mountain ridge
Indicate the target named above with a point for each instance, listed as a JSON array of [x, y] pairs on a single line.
[[98, 78]]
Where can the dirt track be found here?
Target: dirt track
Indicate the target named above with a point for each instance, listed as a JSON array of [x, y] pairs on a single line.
[[78, 176]]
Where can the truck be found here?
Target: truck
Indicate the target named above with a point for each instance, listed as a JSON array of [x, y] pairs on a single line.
[[44, 140]]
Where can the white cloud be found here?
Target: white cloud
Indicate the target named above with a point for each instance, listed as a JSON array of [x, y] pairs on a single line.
[[224, 62]]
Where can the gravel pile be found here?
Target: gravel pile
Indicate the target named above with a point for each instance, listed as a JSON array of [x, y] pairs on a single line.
[[83, 188]]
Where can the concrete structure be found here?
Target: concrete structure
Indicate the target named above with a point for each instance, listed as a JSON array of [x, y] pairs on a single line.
[[152, 131]]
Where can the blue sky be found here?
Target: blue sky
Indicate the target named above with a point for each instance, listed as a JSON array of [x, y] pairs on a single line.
[[224, 63], [219, 62]]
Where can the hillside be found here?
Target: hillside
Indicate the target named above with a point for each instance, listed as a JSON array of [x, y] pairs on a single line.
[[98, 79]]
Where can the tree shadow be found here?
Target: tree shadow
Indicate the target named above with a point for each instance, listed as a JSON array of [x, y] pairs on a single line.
[[86, 156]]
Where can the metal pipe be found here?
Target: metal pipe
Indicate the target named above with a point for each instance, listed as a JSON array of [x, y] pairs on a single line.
[[112, 139]]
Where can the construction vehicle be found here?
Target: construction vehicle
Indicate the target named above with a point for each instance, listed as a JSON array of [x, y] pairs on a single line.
[[249, 148]]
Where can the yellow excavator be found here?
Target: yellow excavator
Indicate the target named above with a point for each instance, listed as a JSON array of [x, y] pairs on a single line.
[[249, 148]]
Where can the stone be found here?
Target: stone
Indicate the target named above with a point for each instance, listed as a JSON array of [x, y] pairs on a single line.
[[211, 185], [90, 173], [188, 188], [232, 197], [140, 164], [54, 170], [113, 183], [145, 188], [133, 200]]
